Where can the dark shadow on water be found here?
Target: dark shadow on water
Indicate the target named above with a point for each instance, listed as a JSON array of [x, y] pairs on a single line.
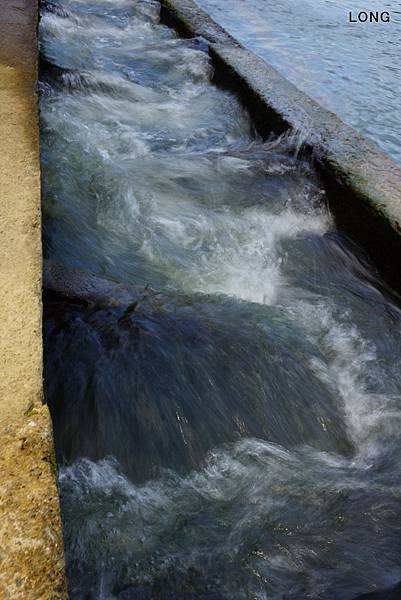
[[176, 376]]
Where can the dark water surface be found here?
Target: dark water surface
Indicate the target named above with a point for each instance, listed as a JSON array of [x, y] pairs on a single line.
[[228, 426]]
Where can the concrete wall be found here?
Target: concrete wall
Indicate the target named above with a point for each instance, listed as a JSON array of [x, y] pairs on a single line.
[[364, 190], [363, 184], [31, 549]]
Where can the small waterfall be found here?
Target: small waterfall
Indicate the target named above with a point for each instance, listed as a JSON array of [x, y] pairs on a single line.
[[221, 363]]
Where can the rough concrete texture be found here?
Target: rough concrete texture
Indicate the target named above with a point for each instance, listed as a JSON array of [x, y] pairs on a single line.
[[31, 549], [364, 184]]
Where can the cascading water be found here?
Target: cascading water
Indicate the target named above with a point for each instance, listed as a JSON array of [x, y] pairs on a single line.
[[227, 421]]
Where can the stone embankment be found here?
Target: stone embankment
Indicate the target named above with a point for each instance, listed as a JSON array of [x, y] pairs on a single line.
[[31, 548], [365, 194]]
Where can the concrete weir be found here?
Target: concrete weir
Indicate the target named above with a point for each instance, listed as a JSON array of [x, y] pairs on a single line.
[[363, 184], [364, 190], [31, 549]]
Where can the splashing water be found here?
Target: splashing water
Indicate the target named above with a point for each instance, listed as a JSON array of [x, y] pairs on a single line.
[[233, 429]]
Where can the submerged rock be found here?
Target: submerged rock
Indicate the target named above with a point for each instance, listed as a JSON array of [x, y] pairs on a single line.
[[76, 285]]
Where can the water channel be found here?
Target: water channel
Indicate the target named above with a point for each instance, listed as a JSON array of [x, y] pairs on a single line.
[[227, 416]]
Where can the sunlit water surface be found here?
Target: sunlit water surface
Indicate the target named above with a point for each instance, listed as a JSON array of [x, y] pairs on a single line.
[[354, 69], [233, 431]]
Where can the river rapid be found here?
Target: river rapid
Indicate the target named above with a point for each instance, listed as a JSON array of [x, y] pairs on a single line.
[[230, 428]]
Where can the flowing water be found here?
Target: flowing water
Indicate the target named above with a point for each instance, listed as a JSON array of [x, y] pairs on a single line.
[[354, 69], [227, 418]]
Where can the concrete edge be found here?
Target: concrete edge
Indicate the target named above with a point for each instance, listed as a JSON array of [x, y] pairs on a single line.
[[363, 184], [31, 544]]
